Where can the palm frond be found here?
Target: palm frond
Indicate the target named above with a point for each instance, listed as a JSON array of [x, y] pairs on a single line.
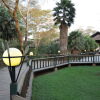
[[64, 11]]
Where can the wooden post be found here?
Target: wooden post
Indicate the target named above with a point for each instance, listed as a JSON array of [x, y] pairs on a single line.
[[55, 69], [93, 64], [93, 61], [69, 65]]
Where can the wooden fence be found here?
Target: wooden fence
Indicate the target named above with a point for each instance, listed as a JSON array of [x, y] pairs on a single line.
[[51, 62]]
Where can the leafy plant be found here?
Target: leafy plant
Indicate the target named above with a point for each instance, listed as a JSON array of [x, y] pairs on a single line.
[[7, 25], [82, 42]]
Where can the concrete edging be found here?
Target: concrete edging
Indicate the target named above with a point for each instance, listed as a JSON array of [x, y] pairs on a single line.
[[29, 90], [16, 97]]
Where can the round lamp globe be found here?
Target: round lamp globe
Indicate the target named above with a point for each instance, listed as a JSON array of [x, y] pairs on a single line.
[[58, 51], [14, 52], [31, 53]]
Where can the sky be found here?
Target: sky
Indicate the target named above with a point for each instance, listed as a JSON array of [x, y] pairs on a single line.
[[87, 13]]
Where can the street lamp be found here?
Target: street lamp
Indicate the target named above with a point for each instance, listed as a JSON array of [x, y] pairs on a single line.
[[13, 53], [31, 53], [30, 56], [58, 51], [12, 58]]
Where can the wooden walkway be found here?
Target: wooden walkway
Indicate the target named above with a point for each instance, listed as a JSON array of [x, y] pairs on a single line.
[[59, 61]]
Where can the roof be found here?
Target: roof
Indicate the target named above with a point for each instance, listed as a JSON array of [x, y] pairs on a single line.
[[96, 36]]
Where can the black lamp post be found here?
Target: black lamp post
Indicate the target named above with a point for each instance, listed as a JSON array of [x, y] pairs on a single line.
[[12, 58]]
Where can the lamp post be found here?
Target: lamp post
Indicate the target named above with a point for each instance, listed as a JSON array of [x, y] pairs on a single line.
[[31, 53], [30, 56], [58, 51], [12, 58]]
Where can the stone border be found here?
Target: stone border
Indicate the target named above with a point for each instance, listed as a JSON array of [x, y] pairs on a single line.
[[29, 90]]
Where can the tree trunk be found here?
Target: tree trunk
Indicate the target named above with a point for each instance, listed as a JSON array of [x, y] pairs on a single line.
[[14, 15], [20, 36], [63, 38]]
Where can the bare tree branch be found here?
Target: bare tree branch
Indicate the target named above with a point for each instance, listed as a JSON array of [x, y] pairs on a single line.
[[22, 15], [28, 1], [10, 10], [16, 6]]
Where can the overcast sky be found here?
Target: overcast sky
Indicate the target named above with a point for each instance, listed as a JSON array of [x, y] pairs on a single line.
[[87, 13]]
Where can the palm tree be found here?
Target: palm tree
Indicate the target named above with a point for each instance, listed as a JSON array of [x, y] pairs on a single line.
[[64, 15]]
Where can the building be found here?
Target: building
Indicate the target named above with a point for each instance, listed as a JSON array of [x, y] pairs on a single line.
[[96, 37]]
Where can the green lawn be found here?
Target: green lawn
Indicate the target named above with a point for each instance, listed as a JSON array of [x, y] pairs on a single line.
[[74, 83]]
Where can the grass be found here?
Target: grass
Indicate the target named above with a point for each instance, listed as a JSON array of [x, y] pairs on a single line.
[[77, 83]]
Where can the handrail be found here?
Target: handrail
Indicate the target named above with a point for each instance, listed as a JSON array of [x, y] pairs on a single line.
[[56, 61]]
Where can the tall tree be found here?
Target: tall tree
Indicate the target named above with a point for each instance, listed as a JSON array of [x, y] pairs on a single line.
[[64, 15], [25, 13], [13, 8], [14, 11], [40, 21]]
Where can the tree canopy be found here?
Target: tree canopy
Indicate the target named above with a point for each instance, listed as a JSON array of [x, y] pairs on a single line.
[[76, 40], [90, 44], [7, 25], [83, 42], [64, 12]]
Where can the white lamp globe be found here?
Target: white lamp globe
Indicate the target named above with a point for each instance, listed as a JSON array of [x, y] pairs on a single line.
[[58, 51], [13, 53], [31, 53]]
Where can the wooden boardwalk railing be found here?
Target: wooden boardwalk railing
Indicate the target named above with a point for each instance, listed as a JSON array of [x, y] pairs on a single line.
[[52, 62]]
